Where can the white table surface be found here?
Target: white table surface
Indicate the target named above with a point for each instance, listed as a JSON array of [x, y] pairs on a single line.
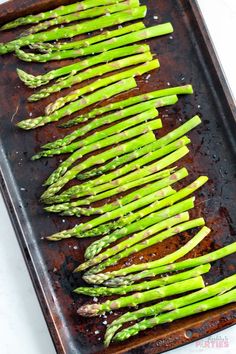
[[22, 326]]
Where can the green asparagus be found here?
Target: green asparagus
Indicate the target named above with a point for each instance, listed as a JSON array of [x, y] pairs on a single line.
[[116, 42], [188, 263], [81, 15], [103, 135], [104, 291], [65, 207], [60, 11], [61, 171], [170, 305], [104, 93], [75, 30], [74, 95], [142, 297], [86, 42], [136, 226], [141, 236], [130, 111], [160, 143], [180, 90], [105, 241], [36, 81], [103, 157], [137, 247], [91, 73], [171, 258]]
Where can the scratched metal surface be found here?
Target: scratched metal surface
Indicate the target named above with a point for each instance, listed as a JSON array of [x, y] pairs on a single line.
[[186, 57]]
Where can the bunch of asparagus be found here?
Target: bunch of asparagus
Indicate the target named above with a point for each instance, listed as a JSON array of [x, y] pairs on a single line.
[[131, 164]]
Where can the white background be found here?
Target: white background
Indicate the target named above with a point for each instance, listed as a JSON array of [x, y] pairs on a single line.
[[22, 326]]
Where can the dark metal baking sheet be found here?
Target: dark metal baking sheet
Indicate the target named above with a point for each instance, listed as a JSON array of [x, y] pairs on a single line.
[[186, 57]]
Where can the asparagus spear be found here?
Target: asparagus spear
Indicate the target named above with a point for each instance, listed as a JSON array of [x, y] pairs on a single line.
[[91, 73], [171, 258], [117, 204], [133, 201], [74, 95], [104, 291], [110, 118], [78, 230], [175, 149], [199, 307], [167, 181], [128, 146], [75, 30], [142, 297], [60, 11], [103, 157], [107, 190], [64, 207], [130, 204], [105, 241], [160, 143], [141, 236], [36, 81], [81, 15], [117, 42], [188, 263], [180, 90], [104, 93], [48, 47], [165, 306], [61, 171], [137, 247], [103, 135]]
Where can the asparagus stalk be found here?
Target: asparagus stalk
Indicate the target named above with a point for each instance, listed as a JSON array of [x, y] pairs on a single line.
[[104, 93], [188, 263], [199, 307], [79, 190], [82, 15], [148, 149], [179, 90], [127, 147], [36, 81], [142, 297], [165, 182], [137, 247], [165, 224], [59, 11], [117, 42], [74, 95], [86, 42], [165, 306], [171, 258], [62, 170], [104, 291], [121, 202], [130, 111], [135, 200], [102, 135], [103, 157], [91, 73], [75, 30], [129, 203], [65, 207], [138, 225], [95, 247]]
